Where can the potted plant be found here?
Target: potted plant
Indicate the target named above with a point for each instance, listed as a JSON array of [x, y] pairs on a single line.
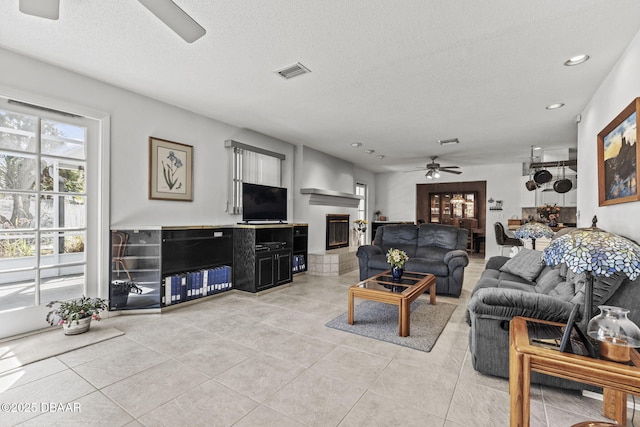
[[397, 258], [75, 315], [120, 290]]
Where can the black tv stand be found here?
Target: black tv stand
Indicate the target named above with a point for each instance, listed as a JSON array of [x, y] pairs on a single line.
[[264, 254], [262, 223]]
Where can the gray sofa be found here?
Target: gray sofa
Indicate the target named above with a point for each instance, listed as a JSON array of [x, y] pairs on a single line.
[[432, 248], [549, 294]]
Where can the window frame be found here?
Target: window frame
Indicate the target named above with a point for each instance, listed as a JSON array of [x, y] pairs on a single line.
[[237, 173]]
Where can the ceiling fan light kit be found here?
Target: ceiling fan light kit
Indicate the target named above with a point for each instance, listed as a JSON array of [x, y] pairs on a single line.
[[175, 18], [433, 169], [49, 9]]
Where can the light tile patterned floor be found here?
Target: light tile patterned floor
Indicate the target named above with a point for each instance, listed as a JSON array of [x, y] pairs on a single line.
[[245, 360]]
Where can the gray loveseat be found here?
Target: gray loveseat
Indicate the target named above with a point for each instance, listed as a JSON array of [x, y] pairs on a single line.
[[432, 248], [548, 294]]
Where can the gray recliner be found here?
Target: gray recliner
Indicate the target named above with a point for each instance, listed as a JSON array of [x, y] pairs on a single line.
[[432, 248]]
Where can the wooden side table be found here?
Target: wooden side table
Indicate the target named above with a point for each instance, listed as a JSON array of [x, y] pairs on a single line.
[[616, 379]]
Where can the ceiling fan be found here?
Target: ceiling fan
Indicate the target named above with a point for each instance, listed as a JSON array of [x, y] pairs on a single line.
[[166, 10], [433, 169]]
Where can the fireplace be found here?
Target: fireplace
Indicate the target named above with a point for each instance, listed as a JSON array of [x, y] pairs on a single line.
[[337, 231]]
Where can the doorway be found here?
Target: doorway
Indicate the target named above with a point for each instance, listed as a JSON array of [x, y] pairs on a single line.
[[456, 204]]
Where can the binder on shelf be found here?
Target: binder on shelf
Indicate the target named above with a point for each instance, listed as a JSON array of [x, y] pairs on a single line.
[[227, 281], [183, 287], [205, 283], [177, 288], [166, 299]]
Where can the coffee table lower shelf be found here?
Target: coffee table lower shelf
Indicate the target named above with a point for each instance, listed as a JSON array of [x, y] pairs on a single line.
[[379, 288]]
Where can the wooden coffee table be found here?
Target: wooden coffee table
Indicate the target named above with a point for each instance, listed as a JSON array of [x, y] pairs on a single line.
[[382, 288]]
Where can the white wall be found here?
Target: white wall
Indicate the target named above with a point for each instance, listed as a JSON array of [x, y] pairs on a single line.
[[396, 194], [314, 169], [616, 92], [133, 119]]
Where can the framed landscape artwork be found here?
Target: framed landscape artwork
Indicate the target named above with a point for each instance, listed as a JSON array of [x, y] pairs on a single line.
[[170, 170], [618, 155]]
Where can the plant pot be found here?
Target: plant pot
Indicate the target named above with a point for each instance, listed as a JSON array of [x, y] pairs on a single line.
[[77, 327], [119, 296]]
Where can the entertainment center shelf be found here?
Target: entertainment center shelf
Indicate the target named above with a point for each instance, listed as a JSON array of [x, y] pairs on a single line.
[[154, 267]]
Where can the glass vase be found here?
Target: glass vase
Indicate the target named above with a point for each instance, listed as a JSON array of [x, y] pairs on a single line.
[[396, 272], [613, 326]]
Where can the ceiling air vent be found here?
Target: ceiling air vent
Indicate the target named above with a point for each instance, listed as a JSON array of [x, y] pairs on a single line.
[[294, 70]]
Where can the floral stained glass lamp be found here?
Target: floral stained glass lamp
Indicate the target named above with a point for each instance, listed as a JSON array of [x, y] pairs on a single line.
[[533, 231], [597, 253]]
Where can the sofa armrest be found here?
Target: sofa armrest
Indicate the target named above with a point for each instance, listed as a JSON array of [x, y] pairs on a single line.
[[505, 304], [495, 262], [456, 258], [367, 251]]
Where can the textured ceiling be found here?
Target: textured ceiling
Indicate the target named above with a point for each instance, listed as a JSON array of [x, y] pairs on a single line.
[[395, 75]]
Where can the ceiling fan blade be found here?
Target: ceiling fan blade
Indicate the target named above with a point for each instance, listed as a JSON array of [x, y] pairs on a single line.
[[49, 9], [450, 167], [448, 171], [416, 169], [175, 18]]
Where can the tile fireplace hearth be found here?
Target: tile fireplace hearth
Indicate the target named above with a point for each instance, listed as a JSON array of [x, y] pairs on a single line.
[[333, 262]]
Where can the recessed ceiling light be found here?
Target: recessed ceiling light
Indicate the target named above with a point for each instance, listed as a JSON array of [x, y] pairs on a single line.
[[576, 60], [356, 144], [554, 106], [381, 156], [369, 151]]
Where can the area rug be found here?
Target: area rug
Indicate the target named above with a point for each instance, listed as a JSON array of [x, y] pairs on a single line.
[[40, 346], [380, 321]]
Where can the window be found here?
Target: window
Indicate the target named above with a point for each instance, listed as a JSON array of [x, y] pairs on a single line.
[[251, 165], [43, 213], [361, 190]]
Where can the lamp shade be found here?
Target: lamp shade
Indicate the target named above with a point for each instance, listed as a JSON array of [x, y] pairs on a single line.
[[533, 230], [599, 252]]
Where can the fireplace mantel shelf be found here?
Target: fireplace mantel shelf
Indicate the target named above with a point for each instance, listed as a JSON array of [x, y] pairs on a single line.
[[331, 198]]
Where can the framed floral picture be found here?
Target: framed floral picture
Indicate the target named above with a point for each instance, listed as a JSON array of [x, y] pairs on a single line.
[[170, 170], [618, 154]]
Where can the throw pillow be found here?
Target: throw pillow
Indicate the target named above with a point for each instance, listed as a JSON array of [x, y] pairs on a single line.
[[526, 264], [603, 288], [548, 281]]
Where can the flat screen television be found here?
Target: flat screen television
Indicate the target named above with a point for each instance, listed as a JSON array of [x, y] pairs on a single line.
[[263, 203]]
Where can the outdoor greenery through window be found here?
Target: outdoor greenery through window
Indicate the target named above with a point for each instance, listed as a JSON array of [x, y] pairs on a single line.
[[43, 215]]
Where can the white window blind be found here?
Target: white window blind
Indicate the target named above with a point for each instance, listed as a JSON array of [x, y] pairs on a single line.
[[251, 165]]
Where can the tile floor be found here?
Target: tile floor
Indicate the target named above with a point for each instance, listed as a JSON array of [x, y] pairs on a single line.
[[245, 360]]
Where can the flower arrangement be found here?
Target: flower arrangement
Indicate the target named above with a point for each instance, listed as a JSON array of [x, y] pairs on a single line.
[[361, 225], [75, 309], [397, 258], [549, 212]]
